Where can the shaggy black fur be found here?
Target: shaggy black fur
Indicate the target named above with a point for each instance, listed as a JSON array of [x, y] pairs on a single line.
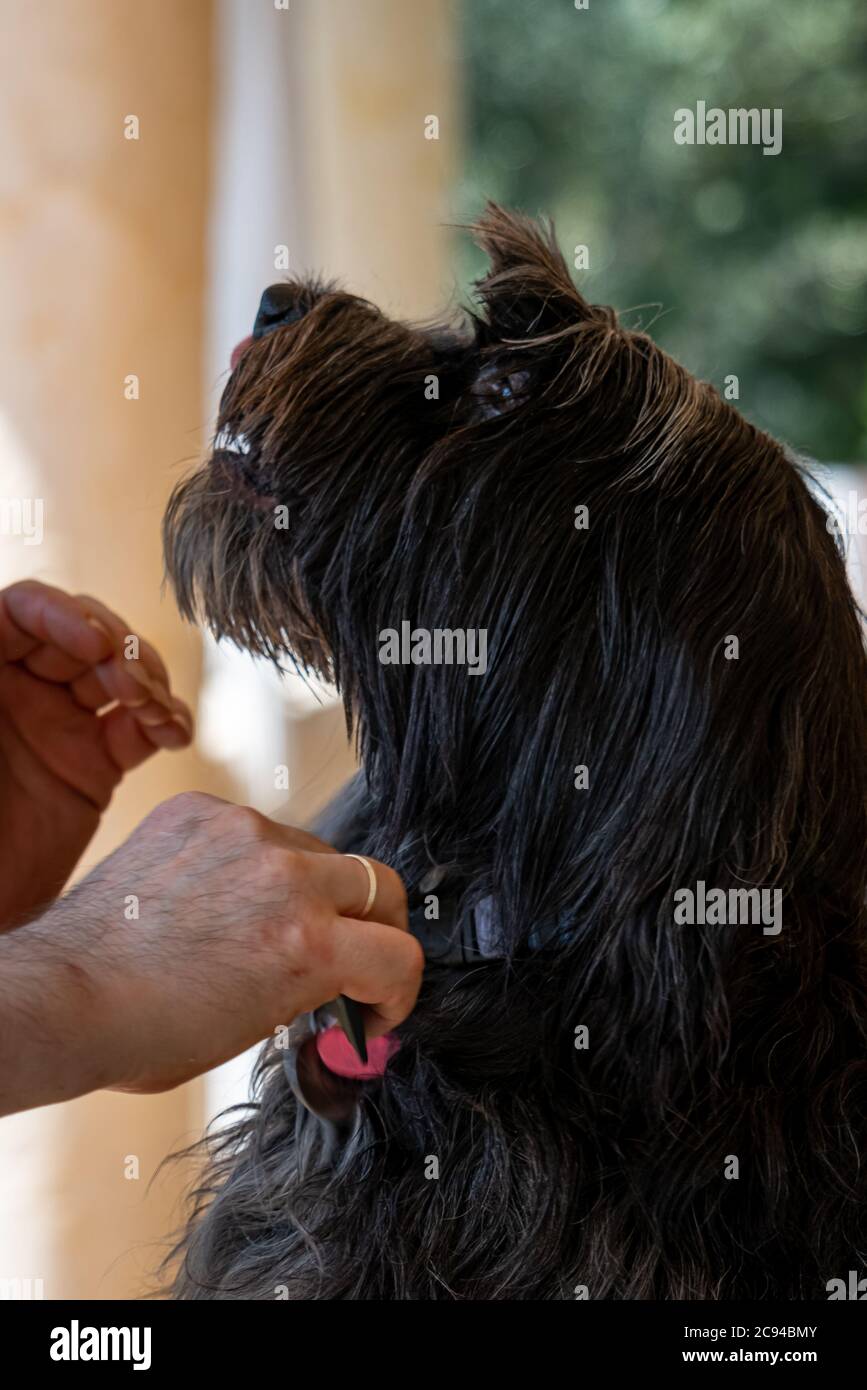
[[607, 1167]]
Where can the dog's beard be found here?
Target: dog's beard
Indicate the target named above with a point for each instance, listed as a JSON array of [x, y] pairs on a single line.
[[233, 569]]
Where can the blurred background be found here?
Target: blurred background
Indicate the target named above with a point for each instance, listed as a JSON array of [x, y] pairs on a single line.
[[162, 162]]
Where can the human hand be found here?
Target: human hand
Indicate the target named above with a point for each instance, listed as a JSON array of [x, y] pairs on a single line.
[[75, 715], [242, 924]]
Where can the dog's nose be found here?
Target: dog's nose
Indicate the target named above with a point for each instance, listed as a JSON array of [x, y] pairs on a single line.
[[278, 305]]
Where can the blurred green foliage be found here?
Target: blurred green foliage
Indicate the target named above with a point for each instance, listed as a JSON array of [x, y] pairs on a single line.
[[746, 263]]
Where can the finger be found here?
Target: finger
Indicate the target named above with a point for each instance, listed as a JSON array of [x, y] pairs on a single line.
[[130, 682], [110, 620], [33, 614], [154, 663], [379, 967], [130, 743], [63, 658], [52, 664], [147, 654], [175, 732], [344, 883], [94, 691], [73, 754], [89, 691], [125, 740]]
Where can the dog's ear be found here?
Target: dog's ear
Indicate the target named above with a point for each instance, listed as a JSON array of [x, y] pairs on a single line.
[[528, 291]]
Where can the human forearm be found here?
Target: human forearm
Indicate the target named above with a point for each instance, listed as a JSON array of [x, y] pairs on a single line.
[[50, 1020]]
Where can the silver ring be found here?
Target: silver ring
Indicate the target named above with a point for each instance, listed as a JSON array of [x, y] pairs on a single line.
[[371, 883]]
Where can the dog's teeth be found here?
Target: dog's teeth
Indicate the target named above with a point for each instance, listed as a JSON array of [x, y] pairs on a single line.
[[232, 443]]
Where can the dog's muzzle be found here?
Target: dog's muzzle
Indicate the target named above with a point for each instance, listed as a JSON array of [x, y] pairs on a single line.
[[278, 306]]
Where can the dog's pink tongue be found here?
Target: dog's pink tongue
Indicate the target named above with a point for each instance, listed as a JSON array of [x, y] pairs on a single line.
[[340, 1056], [236, 352]]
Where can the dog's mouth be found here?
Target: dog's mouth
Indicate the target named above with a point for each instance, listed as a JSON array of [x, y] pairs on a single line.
[[239, 350], [237, 445], [234, 466], [234, 459]]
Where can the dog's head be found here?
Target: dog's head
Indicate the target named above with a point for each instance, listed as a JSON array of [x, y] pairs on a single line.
[[549, 477], [345, 446]]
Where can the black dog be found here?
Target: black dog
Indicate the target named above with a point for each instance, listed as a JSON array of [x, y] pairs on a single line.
[[625, 1093]]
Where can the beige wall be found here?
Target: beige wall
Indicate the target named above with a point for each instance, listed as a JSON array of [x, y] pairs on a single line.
[[101, 259], [321, 146], [379, 191]]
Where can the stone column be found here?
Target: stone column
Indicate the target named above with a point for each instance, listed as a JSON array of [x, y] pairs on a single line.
[[102, 241]]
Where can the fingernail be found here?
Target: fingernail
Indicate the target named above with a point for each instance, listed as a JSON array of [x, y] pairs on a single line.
[[142, 677], [151, 717], [169, 735]]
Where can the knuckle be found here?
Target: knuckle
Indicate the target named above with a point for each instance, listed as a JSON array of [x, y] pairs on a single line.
[[299, 917], [414, 960], [241, 822], [284, 868], [303, 952], [298, 940]]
